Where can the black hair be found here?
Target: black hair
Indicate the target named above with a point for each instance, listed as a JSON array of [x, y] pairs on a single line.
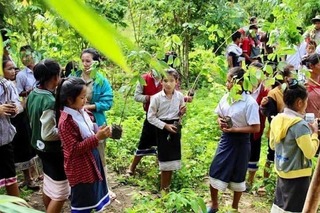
[[173, 73], [286, 72], [236, 73], [26, 48], [95, 54], [257, 64], [68, 90], [71, 65], [4, 62], [236, 35], [45, 70], [313, 59], [293, 92], [253, 26], [252, 18]]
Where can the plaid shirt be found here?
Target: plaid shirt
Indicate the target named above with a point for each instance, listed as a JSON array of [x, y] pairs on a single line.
[[79, 163]]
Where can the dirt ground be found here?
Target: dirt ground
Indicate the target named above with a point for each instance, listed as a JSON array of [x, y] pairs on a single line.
[[249, 203]]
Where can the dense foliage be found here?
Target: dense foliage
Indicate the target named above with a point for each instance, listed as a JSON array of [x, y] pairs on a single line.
[[198, 30]]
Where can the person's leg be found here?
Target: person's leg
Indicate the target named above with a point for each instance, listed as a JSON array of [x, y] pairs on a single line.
[[236, 199], [54, 206], [214, 198], [13, 190], [132, 168], [254, 159], [165, 180], [46, 200]]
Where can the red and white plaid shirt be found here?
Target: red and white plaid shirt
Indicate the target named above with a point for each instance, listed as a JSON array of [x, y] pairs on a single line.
[[79, 163]]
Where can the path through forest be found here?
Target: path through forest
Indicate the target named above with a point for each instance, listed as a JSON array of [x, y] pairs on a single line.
[[249, 203]]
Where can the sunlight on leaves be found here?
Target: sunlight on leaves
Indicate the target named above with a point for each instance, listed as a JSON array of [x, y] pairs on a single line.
[[94, 28]]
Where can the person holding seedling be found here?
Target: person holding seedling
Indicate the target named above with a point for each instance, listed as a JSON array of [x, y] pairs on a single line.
[[237, 120], [164, 113]]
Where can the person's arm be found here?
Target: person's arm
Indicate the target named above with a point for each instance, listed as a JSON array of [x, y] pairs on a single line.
[[105, 99], [139, 96], [49, 130], [230, 62], [309, 143], [246, 129], [152, 113]]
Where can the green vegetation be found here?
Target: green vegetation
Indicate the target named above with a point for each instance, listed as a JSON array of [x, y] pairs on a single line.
[[134, 34]]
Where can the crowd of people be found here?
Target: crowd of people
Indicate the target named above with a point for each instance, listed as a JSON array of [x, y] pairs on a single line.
[[61, 124], [292, 140]]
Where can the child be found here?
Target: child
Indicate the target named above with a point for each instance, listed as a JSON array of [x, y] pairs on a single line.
[[24, 154], [45, 138], [229, 166], [8, 178], [80, 139], [271, 106], [165, 109], [234, 52], [295, 142]]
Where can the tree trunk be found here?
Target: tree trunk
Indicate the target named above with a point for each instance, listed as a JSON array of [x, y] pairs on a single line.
[[313, 197]]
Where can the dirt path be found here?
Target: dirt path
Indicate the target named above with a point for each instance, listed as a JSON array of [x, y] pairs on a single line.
[[249, 203]]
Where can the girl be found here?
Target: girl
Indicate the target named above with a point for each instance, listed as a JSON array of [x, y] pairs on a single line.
[[45, 138], [295, 142], [8, 178], [164, 113], [23, 152], [99, 94], [271, 106], [80, 139], [229, 165]]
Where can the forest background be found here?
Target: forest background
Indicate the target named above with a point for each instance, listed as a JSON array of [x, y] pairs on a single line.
[[134, 35]]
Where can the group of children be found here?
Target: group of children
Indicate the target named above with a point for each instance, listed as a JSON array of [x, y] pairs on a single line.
[[293, 142], [67, 132]]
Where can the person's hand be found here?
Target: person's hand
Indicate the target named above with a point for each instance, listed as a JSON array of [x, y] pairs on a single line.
[[314, 126], [222, 123], [8, 109], [264, 101], [104, 132], [188, 98], [90, 107], [182, 110], [232, 129], [171, 128]]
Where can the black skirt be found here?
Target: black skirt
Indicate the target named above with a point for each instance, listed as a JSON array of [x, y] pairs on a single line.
[[169, 146], [23, 151]]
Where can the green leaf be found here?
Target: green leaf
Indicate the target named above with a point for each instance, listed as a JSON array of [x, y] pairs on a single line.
[[98, 31], [268, 69], [269, 82], [176, 39], [279, 77], [176, 62]]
